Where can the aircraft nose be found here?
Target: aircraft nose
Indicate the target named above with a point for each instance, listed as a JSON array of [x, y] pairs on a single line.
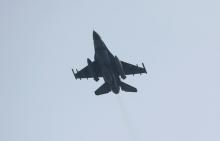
[[95, 35]]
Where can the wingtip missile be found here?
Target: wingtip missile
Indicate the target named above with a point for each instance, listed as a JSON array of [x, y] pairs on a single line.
[[74, 74], [144, 68]]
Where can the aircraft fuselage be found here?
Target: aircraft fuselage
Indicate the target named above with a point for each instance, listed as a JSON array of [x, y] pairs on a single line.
[[106, 62]]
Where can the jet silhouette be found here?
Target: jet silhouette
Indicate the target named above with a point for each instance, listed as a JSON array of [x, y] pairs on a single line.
[[110, 68]]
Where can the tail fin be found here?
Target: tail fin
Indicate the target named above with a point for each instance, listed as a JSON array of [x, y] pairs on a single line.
[[103, 89], [127, 88]]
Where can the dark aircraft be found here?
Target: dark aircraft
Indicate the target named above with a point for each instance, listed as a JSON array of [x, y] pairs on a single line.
[[110, 68]]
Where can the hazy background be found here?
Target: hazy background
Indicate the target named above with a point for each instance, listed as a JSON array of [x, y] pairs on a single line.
[[40, 41]]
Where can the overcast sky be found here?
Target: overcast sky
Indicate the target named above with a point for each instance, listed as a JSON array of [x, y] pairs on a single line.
[[40, 41]]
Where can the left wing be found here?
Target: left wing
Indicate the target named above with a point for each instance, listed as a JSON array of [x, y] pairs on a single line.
[[86, 73], [132, 69]]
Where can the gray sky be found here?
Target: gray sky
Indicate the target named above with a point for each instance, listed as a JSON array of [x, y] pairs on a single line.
[[177, 40]]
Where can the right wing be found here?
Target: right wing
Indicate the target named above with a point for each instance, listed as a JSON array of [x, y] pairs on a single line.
[[132, 69], [85, 72]]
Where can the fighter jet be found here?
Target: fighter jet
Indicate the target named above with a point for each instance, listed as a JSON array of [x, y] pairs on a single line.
[[108, 67]]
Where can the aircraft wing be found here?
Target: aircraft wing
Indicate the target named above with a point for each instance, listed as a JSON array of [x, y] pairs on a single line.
[[132, 69], [85, 73]]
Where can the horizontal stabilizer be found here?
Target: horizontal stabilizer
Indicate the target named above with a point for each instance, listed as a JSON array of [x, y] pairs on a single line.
[[103, 89], [127, 88]]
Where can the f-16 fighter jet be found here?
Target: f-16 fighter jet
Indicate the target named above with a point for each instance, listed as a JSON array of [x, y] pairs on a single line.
[[109, 67]]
